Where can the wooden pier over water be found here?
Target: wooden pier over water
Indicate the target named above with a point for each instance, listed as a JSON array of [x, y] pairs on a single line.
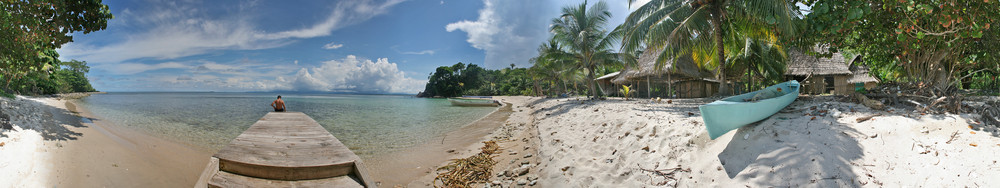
[[285, 149]]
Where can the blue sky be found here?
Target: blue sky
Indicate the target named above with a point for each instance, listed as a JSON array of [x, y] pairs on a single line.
[[365, 46]]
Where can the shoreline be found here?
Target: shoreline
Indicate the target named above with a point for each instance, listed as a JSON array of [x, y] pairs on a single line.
[[66, 146], [414, 166]]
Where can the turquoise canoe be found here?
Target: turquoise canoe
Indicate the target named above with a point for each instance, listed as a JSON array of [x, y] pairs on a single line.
[[737, 111]]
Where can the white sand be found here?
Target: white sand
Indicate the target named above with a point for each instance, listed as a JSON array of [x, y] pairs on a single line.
[[50, 147], [617, 143]]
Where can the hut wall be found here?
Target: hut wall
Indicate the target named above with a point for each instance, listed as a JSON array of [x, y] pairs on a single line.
[[817, 85], [870, 85], [696, 88], [608, 88], [841, 87], [657, 86]]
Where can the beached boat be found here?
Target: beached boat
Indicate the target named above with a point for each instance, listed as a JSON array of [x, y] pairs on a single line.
[[734, 112], [462, 101]]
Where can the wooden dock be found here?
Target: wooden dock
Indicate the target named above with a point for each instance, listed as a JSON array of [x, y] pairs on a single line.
[[285, 149]]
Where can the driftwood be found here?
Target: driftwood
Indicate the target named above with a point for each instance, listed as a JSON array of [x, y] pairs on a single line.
[[873, 104], [990, 113], [939, 100], [919, 97], [924, 99], [866, 118]]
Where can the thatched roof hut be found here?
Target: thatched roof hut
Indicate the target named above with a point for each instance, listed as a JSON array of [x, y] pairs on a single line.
[[684, 66], [675, 78], [860, 73], [801, 64]]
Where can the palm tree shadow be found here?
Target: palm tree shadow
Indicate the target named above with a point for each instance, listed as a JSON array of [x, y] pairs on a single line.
[[54, 125], [798, 152], [564, 106]]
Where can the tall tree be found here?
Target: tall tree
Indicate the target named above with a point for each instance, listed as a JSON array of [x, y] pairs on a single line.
[[582, 31], [928, 42], [29, 28], [700, 28], [552, 64]]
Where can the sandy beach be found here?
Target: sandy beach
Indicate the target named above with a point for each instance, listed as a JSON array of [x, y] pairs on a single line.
[[814, 142], [50, 145], [562, 142]]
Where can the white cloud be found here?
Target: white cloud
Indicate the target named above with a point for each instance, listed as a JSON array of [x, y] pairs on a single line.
[[425, 52], [179, 29], [345, 13], [133, 68], [332, 46], [508, 31], [353, 74], [350, 74]]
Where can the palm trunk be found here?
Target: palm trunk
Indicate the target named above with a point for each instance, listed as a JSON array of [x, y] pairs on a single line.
[[721, 57], [593, 85], [564, 87], [538, 88]]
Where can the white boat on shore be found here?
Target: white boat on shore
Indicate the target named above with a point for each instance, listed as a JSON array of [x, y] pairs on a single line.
[[463, 101]]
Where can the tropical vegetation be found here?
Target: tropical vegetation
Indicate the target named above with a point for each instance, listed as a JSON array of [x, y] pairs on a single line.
[[581, 31], [944, 45], [717, 34], [470, 79], [30, 31]]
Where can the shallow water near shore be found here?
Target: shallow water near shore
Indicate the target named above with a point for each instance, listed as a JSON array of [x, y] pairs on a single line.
[[371, 125]]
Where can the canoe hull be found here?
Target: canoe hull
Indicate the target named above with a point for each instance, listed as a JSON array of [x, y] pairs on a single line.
[[473, 102], [731, 113]]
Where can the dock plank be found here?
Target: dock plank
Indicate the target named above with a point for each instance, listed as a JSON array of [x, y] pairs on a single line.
[[226, 179], [289, 148]]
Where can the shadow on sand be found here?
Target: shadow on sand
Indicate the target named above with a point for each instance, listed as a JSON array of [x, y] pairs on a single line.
[[804, 152], [54, 124]]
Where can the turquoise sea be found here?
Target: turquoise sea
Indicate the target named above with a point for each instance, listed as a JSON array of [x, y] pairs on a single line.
[[370, 125]]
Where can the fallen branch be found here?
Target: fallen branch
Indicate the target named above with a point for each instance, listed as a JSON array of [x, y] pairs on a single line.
[[873, 104], [939, 100], [666, 173], [919, 106], [952, 137], [866, 118]]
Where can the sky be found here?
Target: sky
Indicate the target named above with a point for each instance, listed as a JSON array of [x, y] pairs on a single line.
[[353, 46]]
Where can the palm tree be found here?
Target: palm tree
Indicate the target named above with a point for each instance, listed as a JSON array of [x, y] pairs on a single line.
[[582, 31], [552, 64], [701, 28]]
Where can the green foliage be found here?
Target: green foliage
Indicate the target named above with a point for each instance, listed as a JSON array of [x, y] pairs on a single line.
[[581, 30], [708, 31], [626, 91], [935, 43], [461, 79], [65, 77], [31, 30]]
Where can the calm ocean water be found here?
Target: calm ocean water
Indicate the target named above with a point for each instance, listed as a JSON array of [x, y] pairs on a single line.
[[369, 124]]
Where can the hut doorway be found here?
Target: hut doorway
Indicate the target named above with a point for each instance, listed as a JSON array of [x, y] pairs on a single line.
[[829, 84]]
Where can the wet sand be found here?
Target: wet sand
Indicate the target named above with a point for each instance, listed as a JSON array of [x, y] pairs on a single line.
[[52, 146], [413, 167]]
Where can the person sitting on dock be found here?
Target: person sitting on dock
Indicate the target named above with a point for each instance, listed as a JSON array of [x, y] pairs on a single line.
[[278, 105]]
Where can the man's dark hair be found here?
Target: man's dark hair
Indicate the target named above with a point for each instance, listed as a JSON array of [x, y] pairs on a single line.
[[279, 96]]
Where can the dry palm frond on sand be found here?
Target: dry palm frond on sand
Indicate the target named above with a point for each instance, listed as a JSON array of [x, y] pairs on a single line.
[[464, 172]]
